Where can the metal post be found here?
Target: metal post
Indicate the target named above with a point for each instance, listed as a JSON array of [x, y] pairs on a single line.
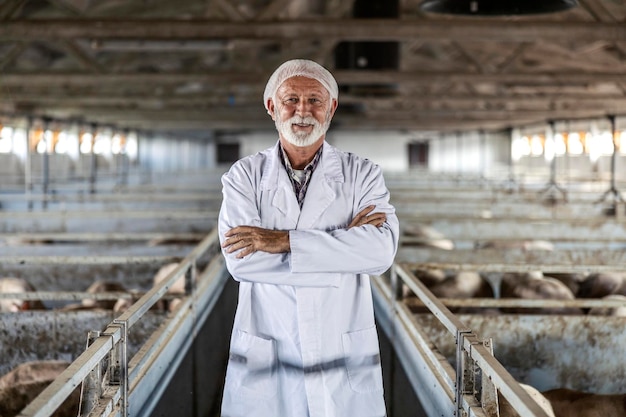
[[482, 157], [614, 155], [510, 155], [553, 161], [612, 191], [464, 375], [94, 161], [510, 185], [125, 160], [567, 154], [488, 391], [552, 184], [46, 164], [118, 364], [145, 157], [28, 169], [442, 156], [91, 389], [190, 279], [123, 364], [459, 159]]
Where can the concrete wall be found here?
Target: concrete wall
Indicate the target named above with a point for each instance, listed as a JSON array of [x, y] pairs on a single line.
[[11, 170], [547, 351], [57, 335], [387, 148], [466, 153], [160, 154], [462, 154]]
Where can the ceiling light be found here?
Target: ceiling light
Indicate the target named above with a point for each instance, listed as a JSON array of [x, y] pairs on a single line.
[[159, 45], [496, 7]]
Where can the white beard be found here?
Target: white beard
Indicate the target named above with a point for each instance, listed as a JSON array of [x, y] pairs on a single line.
[[302, 139]]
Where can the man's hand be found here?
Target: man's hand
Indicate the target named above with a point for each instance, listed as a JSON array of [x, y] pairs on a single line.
[[363, 217], [250, 239]]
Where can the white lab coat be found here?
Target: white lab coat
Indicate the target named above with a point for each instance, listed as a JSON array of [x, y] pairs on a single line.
[[304, 342]]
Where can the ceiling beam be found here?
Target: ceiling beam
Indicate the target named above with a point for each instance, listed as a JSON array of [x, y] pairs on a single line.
[[345, 29], [228, 9], [598, 10], [259, 117], [10, 8], [14, 51], [345, 77], [435, 101], [203, 121], [87, 61], [425, 125], [272, 10]]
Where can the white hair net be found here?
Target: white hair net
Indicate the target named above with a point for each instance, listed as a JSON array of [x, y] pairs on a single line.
[[302, 68]]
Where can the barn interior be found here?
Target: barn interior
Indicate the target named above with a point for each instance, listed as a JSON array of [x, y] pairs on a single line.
[[498, 126]]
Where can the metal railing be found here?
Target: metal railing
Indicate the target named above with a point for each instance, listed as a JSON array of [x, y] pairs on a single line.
[[105, 359], [470, 387]]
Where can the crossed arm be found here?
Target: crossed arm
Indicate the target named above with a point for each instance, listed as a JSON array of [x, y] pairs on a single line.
[[246, 240]]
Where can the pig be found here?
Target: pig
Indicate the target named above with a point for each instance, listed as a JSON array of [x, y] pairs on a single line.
[[22, 384], [463, 285], [17, 285], [177, 289], [96, 288], [610, 311], [601, 284], [572, 403], [428, 237], [527, 245], [572, 281], [535, 286]]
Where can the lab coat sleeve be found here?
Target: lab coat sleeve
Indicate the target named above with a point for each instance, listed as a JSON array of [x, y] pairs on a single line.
[[239, 208], [359, 250]]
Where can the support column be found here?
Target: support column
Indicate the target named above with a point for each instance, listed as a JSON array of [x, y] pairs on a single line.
[[45, 165], [28, 169], [553, 187], [613, 194], [93, 170]]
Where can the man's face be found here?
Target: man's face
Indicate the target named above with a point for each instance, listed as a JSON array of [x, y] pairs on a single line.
[[303, 110]]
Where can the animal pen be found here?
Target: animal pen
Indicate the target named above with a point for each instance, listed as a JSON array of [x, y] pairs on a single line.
[[148, 362]]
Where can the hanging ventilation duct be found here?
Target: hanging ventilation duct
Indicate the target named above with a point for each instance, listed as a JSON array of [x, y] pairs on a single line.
[[370, 55], [496, 7]]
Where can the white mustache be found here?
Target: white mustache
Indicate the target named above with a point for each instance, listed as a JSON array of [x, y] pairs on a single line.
[[298, 120]]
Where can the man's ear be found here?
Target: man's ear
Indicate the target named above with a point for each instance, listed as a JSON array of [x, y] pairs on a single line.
[[333, 107], [271, 109]]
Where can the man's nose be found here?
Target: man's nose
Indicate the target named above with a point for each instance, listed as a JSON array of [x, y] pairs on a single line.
[[303, 107]]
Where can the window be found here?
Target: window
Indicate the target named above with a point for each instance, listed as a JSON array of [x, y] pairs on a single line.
[[227, 153], [418, 154]]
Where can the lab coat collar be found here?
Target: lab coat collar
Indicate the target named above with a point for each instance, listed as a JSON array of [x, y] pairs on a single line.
[[329, 166], [319, 194]]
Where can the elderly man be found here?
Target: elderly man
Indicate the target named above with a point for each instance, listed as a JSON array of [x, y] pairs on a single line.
[[302, 224]]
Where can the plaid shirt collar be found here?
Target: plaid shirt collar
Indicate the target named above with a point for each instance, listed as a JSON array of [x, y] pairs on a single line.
[[300, 188]]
